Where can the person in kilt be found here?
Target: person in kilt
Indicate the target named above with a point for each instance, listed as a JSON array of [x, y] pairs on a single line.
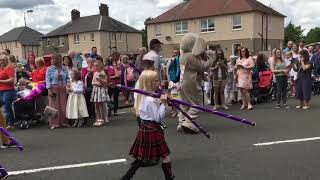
[[150, 143]]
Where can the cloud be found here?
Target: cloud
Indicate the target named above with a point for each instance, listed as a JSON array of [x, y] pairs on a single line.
[[23, 4]]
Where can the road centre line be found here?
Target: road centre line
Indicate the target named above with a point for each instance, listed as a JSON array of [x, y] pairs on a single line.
[[14, 173], [287, 141]]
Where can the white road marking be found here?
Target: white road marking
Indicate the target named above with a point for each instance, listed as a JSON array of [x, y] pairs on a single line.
[[14, 173], [287, 141]]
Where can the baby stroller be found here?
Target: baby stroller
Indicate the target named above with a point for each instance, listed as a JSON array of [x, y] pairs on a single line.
[[24, 109], [263, 88], [316, 85]]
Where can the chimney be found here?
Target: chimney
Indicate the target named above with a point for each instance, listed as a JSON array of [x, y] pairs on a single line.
[[75, 14], [104, 10]]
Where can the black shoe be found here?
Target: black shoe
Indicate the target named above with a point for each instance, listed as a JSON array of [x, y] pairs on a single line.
[[166, 167], [135, 165], [10, 145]]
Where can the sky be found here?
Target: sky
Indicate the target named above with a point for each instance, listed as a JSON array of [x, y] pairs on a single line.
[[50, 14]]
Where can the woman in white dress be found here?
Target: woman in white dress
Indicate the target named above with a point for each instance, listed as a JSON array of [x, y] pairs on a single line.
[[76, 105]]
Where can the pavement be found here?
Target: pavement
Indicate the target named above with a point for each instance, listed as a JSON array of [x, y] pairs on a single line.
[[230, 155]]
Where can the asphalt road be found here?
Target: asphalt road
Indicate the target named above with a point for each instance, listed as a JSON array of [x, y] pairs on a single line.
[[230, 155]]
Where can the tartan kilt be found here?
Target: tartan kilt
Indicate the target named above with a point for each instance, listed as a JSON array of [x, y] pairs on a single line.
[[150, 143]]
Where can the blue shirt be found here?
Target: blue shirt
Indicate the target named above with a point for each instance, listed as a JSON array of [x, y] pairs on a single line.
[[286, 50], [52, 76]]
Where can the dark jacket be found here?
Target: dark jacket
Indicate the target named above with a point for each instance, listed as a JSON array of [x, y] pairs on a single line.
[[224, 68]]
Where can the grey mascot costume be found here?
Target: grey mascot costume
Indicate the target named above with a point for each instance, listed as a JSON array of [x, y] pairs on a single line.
[[196, 60]]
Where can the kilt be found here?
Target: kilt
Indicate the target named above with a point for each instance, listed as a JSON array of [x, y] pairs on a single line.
[[150, 143]]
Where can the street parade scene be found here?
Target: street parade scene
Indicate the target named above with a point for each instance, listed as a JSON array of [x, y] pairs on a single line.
[[159, 90]]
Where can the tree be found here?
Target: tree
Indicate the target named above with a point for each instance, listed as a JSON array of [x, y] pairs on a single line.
[[313, 35], [293, 33], [144, 38], [145, 33]]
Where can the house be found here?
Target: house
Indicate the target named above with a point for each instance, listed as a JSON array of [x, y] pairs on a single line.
[[223, 23], [101, 31], [22, 41]]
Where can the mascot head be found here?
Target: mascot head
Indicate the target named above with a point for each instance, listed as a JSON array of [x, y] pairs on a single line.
[[192, 43]]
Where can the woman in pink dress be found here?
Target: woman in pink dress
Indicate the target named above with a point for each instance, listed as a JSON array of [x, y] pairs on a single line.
[[244, 68]]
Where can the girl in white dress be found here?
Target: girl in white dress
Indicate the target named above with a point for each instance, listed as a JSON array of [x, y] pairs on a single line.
[[76, 105]]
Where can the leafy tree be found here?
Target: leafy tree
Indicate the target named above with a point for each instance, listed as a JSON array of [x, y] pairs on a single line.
[[293, 33], [313, 35], [145, 33]]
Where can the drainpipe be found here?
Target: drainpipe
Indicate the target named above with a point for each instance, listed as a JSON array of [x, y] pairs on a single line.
[[267, 27], [110, 47], [262, 28]]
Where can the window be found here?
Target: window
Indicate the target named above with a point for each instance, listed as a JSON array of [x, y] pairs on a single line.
[[48, 41], [76, 39], [60, 41], [182, 27], [121, 37], [113, 37], [236, 22], [207, 25], [235, 49], [92, 36], [16, 44], [158, 30]]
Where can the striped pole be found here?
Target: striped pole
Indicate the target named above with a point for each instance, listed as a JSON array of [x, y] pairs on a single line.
[[204, 109]]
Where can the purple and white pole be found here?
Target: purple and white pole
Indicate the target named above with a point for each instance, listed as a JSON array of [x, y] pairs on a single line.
[[204, 109], [6, 133], [3, 173]]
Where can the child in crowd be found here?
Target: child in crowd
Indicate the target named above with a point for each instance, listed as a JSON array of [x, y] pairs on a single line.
[[150, 144], [207, 87], [99, 95], [76, 104], [231, 85], [129, 77]]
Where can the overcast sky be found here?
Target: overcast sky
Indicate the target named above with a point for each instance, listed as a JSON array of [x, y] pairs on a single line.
[[49, 14]]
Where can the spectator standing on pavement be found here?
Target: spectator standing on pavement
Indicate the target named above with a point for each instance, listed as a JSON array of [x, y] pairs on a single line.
[[87, 79], [94, 52], [7, 89], [280, 71], [311, 51], [302, 45], [230, 89], [244, 67], [57, 79], [114, 73], [67, 63], [99, 95], [315, 60], [138, 62], [219, 76], [153, 56], [304, 81], [29, 67], [150, 144], [129, 77], [39, 76], [289, 47], [76, 104]]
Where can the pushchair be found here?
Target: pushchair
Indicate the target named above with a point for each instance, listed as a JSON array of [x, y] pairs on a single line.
[[316, 85], [24, 108], [263, 88]]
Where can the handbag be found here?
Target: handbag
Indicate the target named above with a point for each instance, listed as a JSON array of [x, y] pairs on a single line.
[[50, 112]]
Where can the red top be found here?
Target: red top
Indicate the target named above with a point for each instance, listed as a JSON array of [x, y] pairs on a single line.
[[39, 75], [6, 73], [112, 71]]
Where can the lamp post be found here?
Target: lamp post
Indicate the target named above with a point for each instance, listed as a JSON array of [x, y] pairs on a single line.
[[24, 15]]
